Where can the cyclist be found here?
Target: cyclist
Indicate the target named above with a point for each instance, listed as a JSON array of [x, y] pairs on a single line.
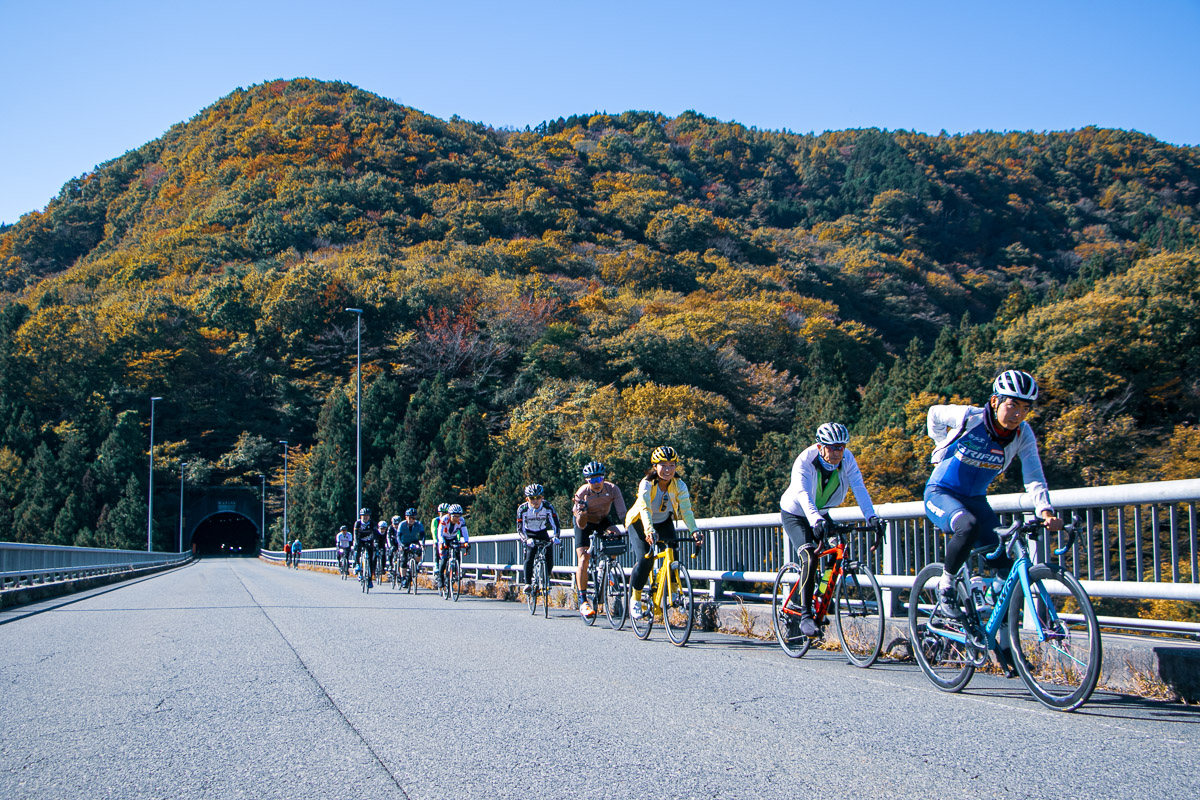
[[536, 520], [410, 534], [972, 446], [364, 537], [344, 542], [662, 498], [297, 549], [382, 535], [599, 504], [287, 554], [821, 477], [443, 510], [451, 532]]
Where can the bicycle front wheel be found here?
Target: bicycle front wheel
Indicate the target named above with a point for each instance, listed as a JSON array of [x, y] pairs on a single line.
[[535, 588], [616, 600], [545, 591], [643, 623], [858, 615], [593, 577], [413, 567], [1058, 654], [948, 664], [785, 611], [454, 578], [679, 607]]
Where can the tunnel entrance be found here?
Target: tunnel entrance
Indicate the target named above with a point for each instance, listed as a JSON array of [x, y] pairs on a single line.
[[226, 534]]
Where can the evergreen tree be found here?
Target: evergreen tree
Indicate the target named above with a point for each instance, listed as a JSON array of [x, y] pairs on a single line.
[[33, 518], [124, 526], [71, 521], [434, 487], [427, 410]]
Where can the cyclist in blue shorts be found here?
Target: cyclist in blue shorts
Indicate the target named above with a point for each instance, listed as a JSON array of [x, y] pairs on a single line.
[[972, 446]]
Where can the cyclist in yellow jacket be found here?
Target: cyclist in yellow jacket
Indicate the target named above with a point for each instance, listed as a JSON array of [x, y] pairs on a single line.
[[662, 498]]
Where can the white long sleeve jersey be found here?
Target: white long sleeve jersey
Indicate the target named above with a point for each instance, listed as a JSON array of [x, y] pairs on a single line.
[[809, 495]]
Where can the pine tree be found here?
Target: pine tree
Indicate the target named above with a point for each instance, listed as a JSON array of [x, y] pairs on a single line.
[[124, 526], [427, 410], [33, 518]]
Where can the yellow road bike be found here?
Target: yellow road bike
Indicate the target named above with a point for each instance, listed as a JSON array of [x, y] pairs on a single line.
[[670, 596]]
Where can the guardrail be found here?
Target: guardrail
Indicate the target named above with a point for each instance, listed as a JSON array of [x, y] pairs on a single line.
[[1141, 542], [29, 564]]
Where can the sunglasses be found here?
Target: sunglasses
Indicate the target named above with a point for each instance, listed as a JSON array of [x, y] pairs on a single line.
[[837, 448], [596, 479]]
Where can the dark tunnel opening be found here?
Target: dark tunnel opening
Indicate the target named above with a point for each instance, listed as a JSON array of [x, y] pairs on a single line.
[[226, 534]]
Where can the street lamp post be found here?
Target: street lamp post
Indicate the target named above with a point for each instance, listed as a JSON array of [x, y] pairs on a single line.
[[262, 527], [182, 472], [286, 533], [150, 503], [358, 420]]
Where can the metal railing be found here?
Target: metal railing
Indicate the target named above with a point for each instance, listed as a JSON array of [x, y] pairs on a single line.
[[29, 564], [1140, 543]]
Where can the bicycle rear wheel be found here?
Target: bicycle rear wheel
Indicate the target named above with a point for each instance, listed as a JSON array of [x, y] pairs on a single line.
[[858, 615], [1061, 671], [948, 664], [616, 599], [679, 607], [785, 611]]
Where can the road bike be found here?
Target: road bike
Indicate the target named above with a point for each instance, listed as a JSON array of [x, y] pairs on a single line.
[[343, 563], [848, 589], [670, 593], [365, 575], [413, 569], [607, 577], [1052, 634], [451, 582], [539, 583], [395, 568]]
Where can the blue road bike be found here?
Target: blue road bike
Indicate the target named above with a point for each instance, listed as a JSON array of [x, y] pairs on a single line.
[[1041, 621]]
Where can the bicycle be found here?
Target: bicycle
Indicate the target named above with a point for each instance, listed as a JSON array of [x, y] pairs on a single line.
[[670, 591], [848, 589], [1055, 638], [343, 564], [413, 559], [394, 559], [607, 577], [365, 575], [451, 585], [540, 580]]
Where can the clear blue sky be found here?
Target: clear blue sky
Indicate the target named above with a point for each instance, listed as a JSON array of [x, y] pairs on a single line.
[[83, 82]]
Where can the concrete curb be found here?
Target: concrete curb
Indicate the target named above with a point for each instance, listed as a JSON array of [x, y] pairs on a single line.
[[24, 595]]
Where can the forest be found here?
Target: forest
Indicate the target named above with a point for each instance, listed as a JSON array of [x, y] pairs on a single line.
[[586, 289]]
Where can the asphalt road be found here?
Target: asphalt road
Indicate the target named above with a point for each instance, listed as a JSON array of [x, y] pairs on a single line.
[[235, 678]]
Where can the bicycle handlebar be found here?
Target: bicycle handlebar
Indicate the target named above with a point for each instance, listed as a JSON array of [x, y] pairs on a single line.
[[1033, 528]]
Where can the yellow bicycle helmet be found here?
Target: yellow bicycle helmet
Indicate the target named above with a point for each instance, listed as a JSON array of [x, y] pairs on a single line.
[[664, 453]]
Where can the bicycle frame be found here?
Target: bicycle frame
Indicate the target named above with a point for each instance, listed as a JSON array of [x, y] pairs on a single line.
[[663, 578], [839, 550], [1018, 574]]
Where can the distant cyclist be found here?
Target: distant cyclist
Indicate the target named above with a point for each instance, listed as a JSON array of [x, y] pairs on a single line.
[[972, 446], [297, 549], [662, 498], [345, 540], [410, 535], [287, 554], [536, 520], [364, 538], [452, 532], [821, 477], [598, 506]]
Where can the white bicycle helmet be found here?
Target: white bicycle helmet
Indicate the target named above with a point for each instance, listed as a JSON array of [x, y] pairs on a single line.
[[1015, 383], [833, 433]]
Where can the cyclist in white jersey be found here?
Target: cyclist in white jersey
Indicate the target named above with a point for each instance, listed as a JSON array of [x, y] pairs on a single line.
[[536, 520]]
